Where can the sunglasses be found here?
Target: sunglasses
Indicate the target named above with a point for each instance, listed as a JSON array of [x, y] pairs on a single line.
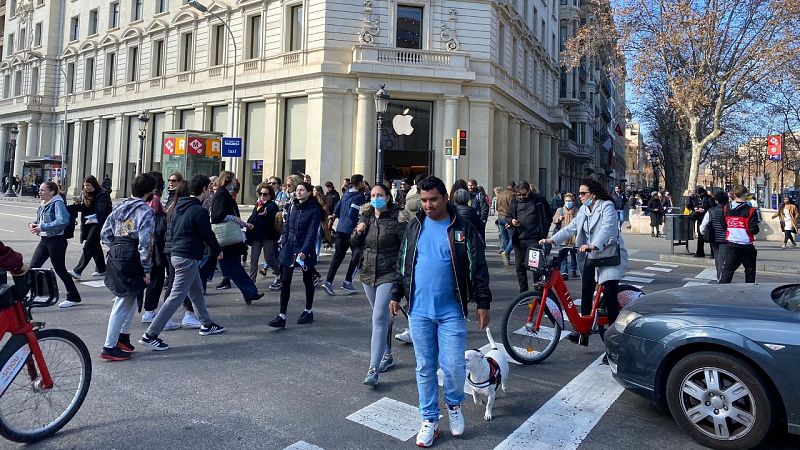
[[172, 180], [581, 194], [264, 194]]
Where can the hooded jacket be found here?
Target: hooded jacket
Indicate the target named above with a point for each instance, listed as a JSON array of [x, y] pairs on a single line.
[[135, 220], [381, 242], [347, 211], [468, 261], [190, 229], [300, 232]]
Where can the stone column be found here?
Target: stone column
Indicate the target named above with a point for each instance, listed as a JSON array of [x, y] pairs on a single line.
[[544, 163], [324, 135], [554, 165], [535, 152], [77, 160], [500, 154], [364, 150], [273, 123], [513, 149], [449, 128], [20, 150], [481, 141], [97, 147], [32, 139], [201, 119], [120, 158], [3, 155], [525, 152]]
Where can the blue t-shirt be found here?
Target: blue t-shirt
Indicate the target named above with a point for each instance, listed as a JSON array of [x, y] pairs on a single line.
[[434, 289]]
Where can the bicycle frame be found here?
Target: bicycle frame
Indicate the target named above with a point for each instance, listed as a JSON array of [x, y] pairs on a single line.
[[14, 320]]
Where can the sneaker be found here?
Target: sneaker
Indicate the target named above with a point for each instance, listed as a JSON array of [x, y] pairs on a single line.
[[278, 322], [190, 321], [306, 317], [404, 337], [224, 284], [148, 316], [276, 285], [428, 432], [98, 274], [456, 420], [783, 246], [124, 343], [114, 354], [68, 304], [372, 377], [573, 274], [262, 271], [387, 362], [212, 328], [252, 299], [504, 255], [171, 325], [317, 280], [328, 286], [74, 274], [154, 343], [348, 286]]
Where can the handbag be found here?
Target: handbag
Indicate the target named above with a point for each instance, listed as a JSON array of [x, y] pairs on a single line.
[[608, 256], [227, 233]]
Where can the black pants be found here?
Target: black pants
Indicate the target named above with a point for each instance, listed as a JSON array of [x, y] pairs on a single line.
[[731, 256], [787, 236], [286, 286], [340, 250], [55, 248], [609, 299], [152, 293], [715, 255], [520, 259], [92, 250], [701, 243]]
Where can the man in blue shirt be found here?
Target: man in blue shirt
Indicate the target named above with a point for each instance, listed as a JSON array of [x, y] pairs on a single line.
[[441, 268]]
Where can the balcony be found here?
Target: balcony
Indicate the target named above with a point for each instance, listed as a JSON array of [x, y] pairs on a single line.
[[571, 149], [411, 62]]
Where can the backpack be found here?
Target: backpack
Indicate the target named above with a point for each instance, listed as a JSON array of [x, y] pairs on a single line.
[[69, 231]]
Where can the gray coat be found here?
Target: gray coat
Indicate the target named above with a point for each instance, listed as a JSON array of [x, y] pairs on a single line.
[[603, 230]]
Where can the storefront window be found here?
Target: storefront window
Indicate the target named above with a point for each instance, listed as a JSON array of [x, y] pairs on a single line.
[[406, 138]]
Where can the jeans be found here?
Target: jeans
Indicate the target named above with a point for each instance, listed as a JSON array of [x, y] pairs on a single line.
[[55, 248], [231, 266], [439, 343], [570, 261], [506, 235], [92, 250], [621, 217], [187, 282], [340, 250], [381, 342], [731, 256], [267, 247], [120, 319]]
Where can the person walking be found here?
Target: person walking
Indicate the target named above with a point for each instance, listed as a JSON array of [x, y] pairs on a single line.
[[596, 228], [94, 204], [400, 196], [190, 232], [413, 203], [480, 204], [531, 217], [565, 215], [332, 197], [52, 219], [442, 268], [379, 234], [698, 205], [713, 227], [298, 249], [503, 201], [656, 211], [788, 215], [619, 199], [128, 233], [224, 209], [741, 224], [347, 211], [107, 183], [263, 235], [461, 200]]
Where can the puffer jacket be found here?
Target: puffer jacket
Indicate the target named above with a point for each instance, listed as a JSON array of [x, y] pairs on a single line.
[[300, 232], [467, 252], [381, 243]]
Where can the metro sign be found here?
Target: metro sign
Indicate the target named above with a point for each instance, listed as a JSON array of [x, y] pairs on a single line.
[[169, 146], [774, 147], [196, 146]]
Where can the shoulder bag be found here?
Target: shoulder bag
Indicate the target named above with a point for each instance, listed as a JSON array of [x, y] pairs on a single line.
[[227, 233]]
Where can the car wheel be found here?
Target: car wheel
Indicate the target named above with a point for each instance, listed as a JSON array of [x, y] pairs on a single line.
[[719, 400]]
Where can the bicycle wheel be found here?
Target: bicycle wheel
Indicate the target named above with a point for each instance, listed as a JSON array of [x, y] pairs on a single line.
[[519, 338], [28, 412]]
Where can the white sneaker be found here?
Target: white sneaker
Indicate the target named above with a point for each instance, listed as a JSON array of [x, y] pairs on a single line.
[[98, 274], [428, 432], [74, 274], [456, 420], [404, 337], [171, 325], [68, 304], [148, 316], [190, 320]]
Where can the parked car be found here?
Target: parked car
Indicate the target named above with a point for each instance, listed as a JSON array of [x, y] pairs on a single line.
[[723, 358]]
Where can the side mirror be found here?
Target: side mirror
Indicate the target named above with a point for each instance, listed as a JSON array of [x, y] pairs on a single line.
[[44, 287]]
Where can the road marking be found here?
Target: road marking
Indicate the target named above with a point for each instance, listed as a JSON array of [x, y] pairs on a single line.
[[638, 280], [639, 273], [695, 283], [7, 231], [637, 286], [95, 283], [568, 417], [397, 419], [17, 215], [17, 206], [708, 274], [667, 265], [303, 445], [659, 269]]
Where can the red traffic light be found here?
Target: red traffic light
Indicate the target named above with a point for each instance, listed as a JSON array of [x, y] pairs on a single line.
[[462, 134]]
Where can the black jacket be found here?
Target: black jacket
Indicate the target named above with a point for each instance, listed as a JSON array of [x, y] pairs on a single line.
[[222, 206], [619, 200], [300, 232], [381, 244], [332, 199], [717, 223], [263, 220], [480, 205], [700, 201], [468, 213], [535, 216], [101, 206], [160, 240], [190, 229], [469, 262]]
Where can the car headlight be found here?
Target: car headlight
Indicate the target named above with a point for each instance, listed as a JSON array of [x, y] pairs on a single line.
[[624, 319]]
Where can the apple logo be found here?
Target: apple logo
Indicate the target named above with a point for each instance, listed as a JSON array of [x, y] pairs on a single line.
[[402, 124]]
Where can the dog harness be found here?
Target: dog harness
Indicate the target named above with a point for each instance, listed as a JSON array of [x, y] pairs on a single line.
[[495, 376]]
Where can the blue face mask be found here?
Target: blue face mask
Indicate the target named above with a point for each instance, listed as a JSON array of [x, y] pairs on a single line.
[[588, 203], [569, 205], [378, 203]]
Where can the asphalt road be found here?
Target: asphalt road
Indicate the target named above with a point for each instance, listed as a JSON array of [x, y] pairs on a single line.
[[254, 387]]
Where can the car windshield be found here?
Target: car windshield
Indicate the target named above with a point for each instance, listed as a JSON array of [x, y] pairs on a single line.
[[788, 297]]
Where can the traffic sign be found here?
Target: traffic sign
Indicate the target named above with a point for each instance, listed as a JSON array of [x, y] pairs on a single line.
[[232, 147]]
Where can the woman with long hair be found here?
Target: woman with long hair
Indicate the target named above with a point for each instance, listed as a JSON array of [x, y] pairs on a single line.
[[788, 215], [180, 189], [94, 204], [224, 209], [263, 236]]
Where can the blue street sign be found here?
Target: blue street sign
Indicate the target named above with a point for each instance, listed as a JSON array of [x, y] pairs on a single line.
[[231, 147]]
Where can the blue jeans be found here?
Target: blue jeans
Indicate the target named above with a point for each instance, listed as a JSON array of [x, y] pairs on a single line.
[[570, 258], [231, 266], [439, 343], [506, 235], [621, 217]]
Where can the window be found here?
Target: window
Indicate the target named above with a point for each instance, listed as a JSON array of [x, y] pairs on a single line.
[[296, 29], [514, 57], [39, 2], [253, 45], [544, 33], [525, 10], [12, 8], [157, 62], [186, 119], [70, 78], [564, 37], [113, 15], [409, 27], [92, 22], [74, 29], [88, 74], [34, 81], [535, 21], [18, 83], [525, 69], [162, 6], [186, 55], [133, 65], [501, 45], [37, 35], [294, 137], [136, 10], [10, 47], [23, 38], [111, 69], [217, 45], [7, 86]]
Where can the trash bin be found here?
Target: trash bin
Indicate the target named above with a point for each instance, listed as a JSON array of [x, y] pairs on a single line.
[[678, 230]]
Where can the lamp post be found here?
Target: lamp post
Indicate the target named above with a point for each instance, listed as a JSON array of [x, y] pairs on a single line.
[[142, 133], [12, 147], [381, 103], [654, 162]]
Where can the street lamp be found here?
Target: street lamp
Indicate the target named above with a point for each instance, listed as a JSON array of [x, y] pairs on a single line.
[[654, 162], [12, 147], [381, 103], [142, 133]]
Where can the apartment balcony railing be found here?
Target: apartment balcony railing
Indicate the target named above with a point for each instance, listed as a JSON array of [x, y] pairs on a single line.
[[404, 60], [572, 149]]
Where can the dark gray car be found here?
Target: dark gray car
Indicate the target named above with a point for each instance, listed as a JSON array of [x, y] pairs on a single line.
[[725, 359]]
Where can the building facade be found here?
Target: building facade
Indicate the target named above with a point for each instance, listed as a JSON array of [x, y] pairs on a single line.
[[636, 158], [306, 74]]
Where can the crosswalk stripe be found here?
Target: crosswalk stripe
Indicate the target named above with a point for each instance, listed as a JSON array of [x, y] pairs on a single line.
[[568, 417], [394, 418], [695, 283], [95, 283], [303, 445], [639, 273], [638, 280], [659, 269], [667, 265], [707, 274]]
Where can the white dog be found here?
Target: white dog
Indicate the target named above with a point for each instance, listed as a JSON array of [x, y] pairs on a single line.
[[485, 373]]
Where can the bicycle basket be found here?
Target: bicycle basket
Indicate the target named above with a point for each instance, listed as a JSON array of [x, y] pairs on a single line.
[[44, 288], [537, 261]]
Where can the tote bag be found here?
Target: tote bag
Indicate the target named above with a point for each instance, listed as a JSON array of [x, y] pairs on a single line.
[[227, 233]]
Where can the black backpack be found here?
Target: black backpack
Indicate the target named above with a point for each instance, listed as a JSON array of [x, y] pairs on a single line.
[[69, 232]]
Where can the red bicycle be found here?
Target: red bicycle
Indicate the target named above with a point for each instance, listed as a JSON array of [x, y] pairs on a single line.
[[44, 374], [531, 332]]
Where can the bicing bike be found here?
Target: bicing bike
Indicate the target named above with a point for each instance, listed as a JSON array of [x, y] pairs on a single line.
[[44, 374], [532, 326]]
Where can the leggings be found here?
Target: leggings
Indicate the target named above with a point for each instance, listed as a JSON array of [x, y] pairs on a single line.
[[609, 300], [286, 286], [381, 344], [787, 236], [55, 249]]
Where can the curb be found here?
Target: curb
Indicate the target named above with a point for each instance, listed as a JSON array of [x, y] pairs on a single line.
[[20, 199], [689, 260]]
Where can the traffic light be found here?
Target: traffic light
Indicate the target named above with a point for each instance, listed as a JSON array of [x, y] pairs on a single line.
[[448, 147], [462, 142]]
